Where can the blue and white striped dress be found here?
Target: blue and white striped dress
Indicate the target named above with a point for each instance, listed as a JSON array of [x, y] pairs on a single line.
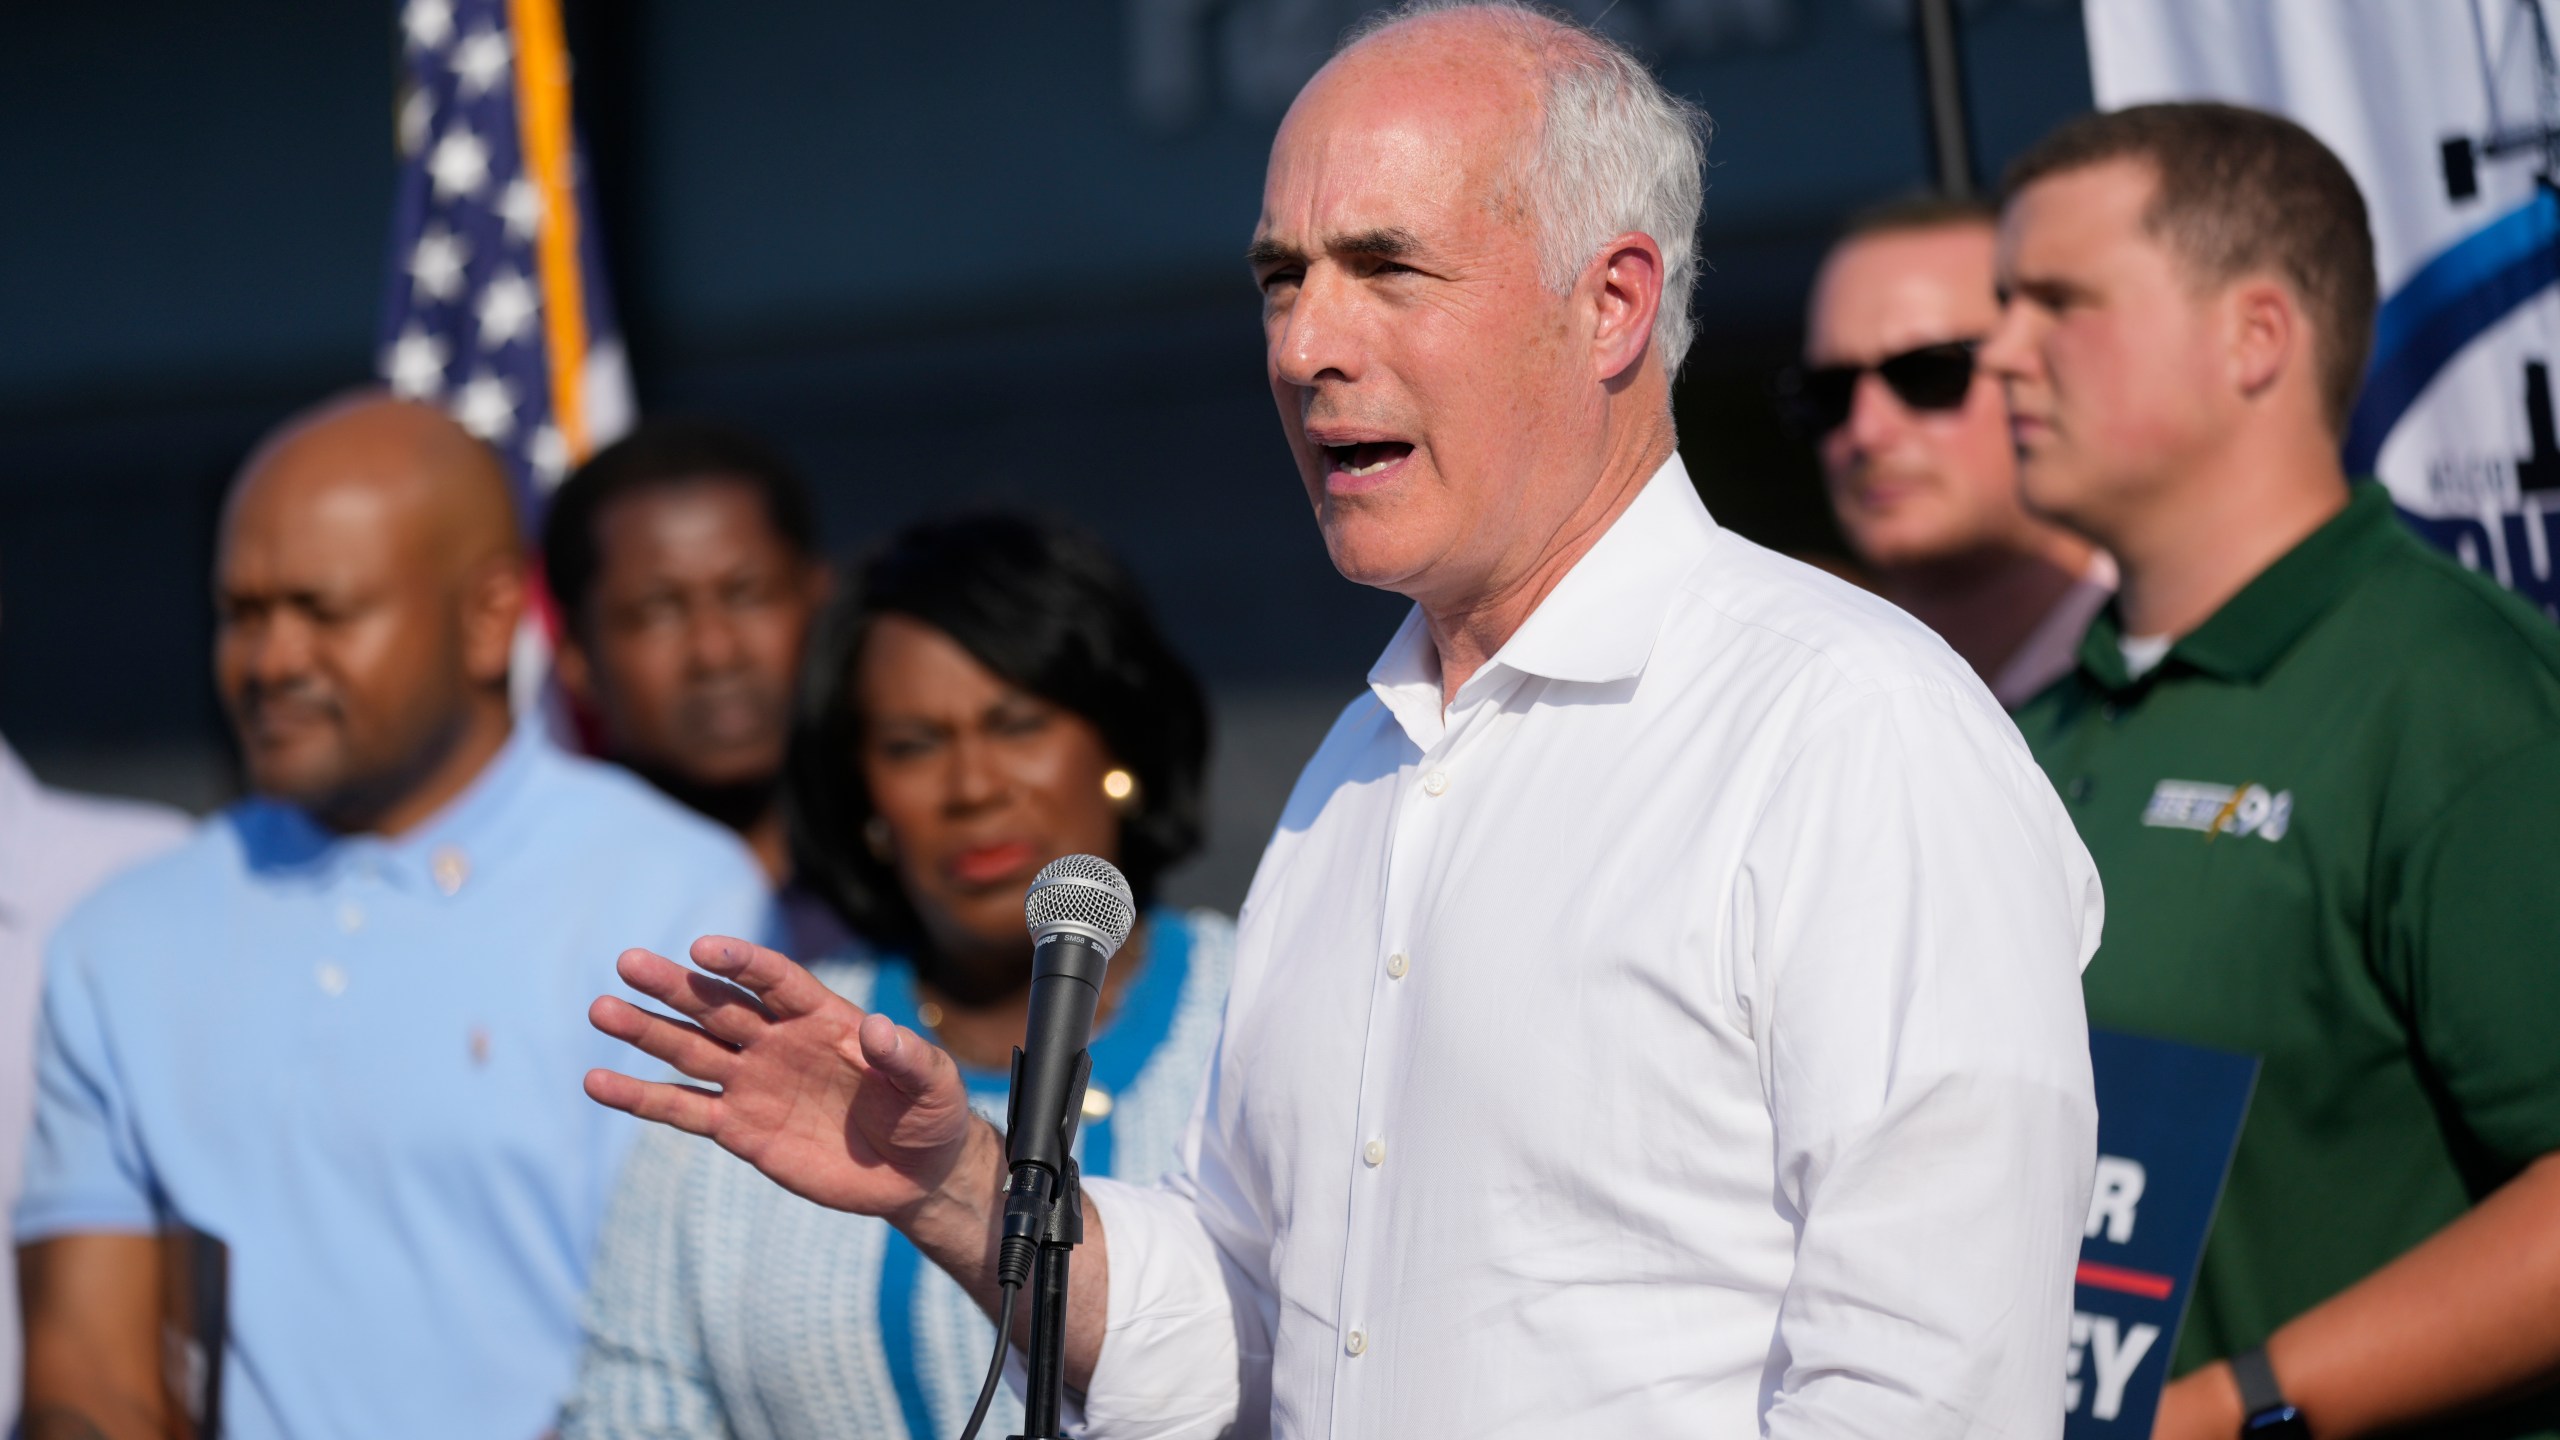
[[723, 1305]]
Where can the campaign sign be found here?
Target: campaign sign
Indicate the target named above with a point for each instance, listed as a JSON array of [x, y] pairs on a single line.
[[2168, 1116]]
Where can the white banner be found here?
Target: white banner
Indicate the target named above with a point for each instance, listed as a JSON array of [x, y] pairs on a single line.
[[2445, 112]]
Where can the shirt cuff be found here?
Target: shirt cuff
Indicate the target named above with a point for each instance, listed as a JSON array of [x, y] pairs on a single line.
[[1169, 1364], [50, 1217]]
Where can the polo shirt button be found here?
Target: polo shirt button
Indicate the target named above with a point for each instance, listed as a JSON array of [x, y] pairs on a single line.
[[1355, 1342], [332, 978], [2078, 789], [1397, 964], [350, 917], [2111, 712], [1436, 783], [1097, 1102], [450, 867]]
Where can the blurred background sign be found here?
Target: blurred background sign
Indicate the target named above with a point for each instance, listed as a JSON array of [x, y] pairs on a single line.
[[2448, 114]]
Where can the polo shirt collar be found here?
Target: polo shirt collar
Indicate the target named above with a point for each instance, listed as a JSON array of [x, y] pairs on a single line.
[[438, 857], [2244, 639], [1598, 625]]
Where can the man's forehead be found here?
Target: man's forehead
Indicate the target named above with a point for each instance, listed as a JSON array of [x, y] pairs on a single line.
[[1379, 135], [2071, 214], [316, 531], [1937, 258]]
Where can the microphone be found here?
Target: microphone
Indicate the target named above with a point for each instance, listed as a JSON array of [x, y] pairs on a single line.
[[1079, 912]]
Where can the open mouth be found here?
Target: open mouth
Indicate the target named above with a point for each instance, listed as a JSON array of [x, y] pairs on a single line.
[[1368, 457]]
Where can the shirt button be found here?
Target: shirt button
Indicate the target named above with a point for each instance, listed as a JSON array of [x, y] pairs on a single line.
[[2111, 712], [350, 917], [1097, 1102], [450, 868], [1375, 1152], [333, 980], [1397, 965], [2078, 789], [1436, 783], [1355, 1342]]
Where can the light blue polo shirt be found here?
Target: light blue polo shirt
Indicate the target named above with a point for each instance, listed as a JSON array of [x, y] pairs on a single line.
[[357, 1061]]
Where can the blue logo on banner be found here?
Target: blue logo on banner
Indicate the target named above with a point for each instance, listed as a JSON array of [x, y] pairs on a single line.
[[2453, 300], [2168, 1116]]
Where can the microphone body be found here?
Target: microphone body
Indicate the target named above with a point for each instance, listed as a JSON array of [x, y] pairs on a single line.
[[1080, 910], [1051, 1068]]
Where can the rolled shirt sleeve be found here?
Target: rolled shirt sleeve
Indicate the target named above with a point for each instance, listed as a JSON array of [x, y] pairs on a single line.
[[1187, 1348], [1917, 908]]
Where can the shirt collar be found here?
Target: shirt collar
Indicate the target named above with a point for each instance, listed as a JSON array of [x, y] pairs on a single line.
[[1598, 625], [438, 856], [2253, 629]]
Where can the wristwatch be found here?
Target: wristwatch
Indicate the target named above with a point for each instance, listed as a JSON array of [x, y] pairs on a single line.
[[2271, 1416]]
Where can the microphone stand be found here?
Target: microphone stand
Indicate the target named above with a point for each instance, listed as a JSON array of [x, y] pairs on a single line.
[[1044, 1212], [1061, 1231]]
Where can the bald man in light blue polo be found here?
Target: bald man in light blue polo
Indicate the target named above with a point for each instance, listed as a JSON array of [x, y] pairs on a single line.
[[340, 1029]]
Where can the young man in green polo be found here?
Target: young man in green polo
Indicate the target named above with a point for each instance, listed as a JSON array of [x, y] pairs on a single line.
[[2319, 767]]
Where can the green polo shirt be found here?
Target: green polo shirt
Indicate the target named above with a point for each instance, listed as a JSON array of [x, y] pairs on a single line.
[[2327, 825]]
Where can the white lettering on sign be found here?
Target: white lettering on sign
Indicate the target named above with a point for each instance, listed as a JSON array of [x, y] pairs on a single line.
[[2112, 1199], [2114, 1352]]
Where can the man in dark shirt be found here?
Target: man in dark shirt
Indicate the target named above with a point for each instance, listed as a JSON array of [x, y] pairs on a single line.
[[2317, 764], [684, 559]]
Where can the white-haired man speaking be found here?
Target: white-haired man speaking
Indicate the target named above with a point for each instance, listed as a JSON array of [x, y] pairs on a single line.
[[1658, 1010]]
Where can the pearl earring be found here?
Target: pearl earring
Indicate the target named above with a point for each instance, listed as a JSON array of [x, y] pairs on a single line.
[[1120, 788]]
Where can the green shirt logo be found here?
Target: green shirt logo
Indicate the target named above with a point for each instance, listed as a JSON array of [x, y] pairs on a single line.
[[2219, 809]]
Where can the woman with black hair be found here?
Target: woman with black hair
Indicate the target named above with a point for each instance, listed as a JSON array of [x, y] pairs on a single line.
[[991, 694]]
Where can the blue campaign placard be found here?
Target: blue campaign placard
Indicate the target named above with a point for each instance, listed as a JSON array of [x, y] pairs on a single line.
[[2168, 1117]]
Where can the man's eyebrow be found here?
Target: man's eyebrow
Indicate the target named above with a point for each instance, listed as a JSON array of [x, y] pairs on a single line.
[[1387, 242], [1267, 251], [2043, 289]]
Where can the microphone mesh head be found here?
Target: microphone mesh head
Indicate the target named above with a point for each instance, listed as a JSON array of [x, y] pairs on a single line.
[[1085, 893]]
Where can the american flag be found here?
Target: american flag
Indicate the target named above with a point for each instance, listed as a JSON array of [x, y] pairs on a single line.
[[495, 305]]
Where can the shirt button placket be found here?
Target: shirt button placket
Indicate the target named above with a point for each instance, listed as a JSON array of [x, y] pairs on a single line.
[[1408, 858]]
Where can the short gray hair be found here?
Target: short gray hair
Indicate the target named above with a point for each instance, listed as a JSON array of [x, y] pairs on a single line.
[[1616, 152]]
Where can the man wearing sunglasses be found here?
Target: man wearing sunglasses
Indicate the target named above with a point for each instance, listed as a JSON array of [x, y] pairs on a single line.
[[1915, 446]]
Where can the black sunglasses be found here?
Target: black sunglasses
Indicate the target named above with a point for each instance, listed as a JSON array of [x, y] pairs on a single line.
[[1933, 377]]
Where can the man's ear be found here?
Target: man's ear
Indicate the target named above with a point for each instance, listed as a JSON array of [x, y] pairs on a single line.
[[2264, 338], [576, 674], [492, 603], [1626, 293]]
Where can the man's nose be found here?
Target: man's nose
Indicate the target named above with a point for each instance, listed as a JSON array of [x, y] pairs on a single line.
[[711, 640], [1877, 416], [1316, 337], [2009, 351], [275, 650]]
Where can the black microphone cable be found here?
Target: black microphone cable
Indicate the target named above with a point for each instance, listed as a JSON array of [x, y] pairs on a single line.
[[995, 1362], [1013, 1266]]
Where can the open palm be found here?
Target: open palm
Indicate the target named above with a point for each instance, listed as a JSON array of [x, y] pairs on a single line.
[[849, 1110]]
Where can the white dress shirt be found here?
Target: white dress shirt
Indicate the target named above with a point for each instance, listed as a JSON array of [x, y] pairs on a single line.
[[1677, 1034], [54, 849]]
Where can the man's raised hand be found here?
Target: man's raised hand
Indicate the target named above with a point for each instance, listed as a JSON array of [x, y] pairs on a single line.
[[850, 1110]]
